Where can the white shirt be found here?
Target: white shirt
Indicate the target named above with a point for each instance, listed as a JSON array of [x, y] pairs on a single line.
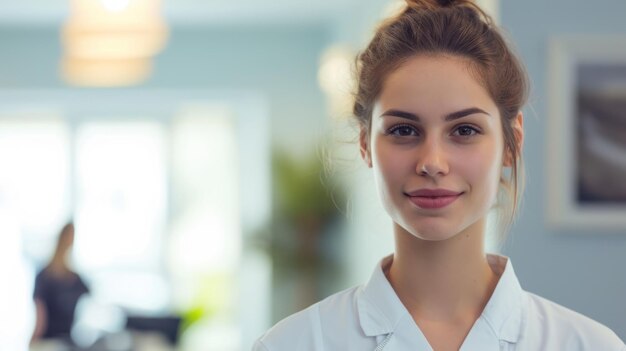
[[371, 317]]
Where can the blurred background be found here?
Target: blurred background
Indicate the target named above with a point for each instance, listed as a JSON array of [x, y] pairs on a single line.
[[204, 153]]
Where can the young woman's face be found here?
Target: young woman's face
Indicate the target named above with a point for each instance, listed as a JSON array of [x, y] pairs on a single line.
[[436, 148]]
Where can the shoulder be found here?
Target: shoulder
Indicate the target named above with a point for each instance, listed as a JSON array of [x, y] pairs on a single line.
[[42, 275], [333, 317], [550, 323], [41, 281], [81, 283]]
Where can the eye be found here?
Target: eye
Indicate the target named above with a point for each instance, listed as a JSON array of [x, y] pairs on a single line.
[[466, 131], [402, 130]]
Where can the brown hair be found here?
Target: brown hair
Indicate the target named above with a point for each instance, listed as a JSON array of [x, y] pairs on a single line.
[[64, 242], [455, 28]]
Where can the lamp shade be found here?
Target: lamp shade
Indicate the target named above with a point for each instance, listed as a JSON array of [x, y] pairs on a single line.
[[111, 42]]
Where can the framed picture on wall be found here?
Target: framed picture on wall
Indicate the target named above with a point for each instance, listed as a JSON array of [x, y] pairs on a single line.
[[586, 135]]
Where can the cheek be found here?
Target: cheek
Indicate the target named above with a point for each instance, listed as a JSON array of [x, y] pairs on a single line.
[[389, 163], [390, 169], [482, 169]]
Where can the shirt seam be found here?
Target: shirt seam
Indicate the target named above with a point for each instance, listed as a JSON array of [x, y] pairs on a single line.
[[263, 345], [387, 320], [489, 323], [498, 333], [520, 309]]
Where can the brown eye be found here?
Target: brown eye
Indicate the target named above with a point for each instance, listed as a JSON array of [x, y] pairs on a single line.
[[403, 130], [466, 131]]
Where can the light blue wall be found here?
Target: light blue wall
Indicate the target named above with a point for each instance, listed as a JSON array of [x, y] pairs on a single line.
[[583, 270], [280, 63], [28, 57]]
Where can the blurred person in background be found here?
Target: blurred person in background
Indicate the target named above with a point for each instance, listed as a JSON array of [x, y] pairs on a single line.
[[439, 104], [57, 291]]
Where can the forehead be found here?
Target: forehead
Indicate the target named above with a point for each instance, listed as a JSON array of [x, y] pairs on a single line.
[[434, 84]]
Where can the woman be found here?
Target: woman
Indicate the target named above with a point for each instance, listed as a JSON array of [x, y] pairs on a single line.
[[57, 291], [439, 108]]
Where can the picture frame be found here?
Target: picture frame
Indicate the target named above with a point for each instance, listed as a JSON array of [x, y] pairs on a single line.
[[586, 134]]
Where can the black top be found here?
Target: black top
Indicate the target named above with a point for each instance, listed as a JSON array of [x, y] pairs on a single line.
[[60, 296]]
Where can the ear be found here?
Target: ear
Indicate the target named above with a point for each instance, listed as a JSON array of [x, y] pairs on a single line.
[[364, 147], [518, 132]]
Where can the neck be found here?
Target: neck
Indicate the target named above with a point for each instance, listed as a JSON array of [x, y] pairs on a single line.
[[442, 280], [58, 265]]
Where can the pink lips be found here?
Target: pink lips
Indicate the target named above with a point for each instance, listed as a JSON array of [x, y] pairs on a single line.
[[433, 198]]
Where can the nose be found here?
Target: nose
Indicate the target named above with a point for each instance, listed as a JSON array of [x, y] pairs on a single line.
[[432, 161]]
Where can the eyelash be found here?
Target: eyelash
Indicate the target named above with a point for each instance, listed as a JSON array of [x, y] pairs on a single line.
[[392, 131], [474, 130]]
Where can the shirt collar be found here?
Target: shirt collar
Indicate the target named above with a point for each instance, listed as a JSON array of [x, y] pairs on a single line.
[[379, 307], [504, 311], [380, 310]]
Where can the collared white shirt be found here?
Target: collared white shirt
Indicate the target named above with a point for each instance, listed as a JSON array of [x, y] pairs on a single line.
[[372, 317]]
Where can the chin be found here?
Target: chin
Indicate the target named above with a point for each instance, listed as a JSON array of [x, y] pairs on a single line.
[[430, 233], [433, 236]]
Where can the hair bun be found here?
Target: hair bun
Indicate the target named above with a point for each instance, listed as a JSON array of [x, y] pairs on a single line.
[[433, 4]]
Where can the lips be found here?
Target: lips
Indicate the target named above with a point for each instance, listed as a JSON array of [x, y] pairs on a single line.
[[433, 198]]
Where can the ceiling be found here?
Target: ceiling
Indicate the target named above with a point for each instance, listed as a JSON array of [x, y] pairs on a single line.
[[190, 12]]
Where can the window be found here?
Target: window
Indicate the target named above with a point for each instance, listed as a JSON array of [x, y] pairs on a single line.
[[155, 197]]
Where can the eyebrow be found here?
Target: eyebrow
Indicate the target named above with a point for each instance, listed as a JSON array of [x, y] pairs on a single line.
[[449, 117]]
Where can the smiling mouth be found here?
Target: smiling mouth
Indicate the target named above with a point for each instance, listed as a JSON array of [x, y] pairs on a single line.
[[433, 199]]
